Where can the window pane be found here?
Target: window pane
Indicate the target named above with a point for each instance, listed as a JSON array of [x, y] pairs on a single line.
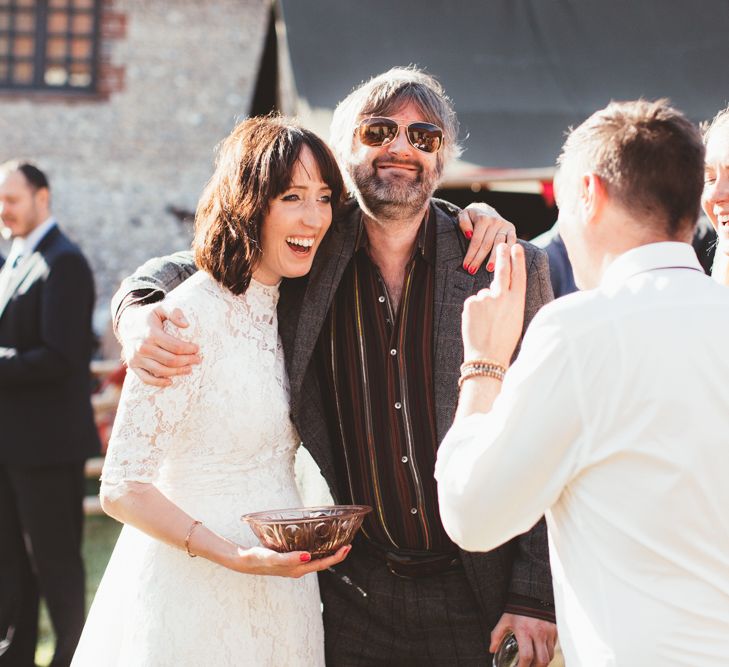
[[65, 59], [56, 75], [57, 22], [23, 73], [56, 47], [82, 24], [80, 75], [25, 21], [24, 46], [80, 48]]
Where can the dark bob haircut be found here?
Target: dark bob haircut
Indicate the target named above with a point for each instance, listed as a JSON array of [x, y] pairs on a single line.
[[255, 164]]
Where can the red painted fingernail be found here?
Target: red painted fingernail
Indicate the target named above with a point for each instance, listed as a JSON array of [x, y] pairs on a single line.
[[349, 548], [468, 234], [305, 558], [472, 270], [490, 267], [466, 267]]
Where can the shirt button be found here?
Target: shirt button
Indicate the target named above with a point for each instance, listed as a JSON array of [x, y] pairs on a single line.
[[398, 405], [413, 510], [393, 352], [381, 299], [404, 459]]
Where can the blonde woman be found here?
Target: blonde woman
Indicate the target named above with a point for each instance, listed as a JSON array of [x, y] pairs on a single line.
[[715, 199]]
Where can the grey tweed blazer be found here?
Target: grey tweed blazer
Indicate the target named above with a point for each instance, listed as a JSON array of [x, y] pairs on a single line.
[[520, 566]]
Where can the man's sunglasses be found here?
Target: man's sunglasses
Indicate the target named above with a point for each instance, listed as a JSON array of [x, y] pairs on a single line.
[[380, 131]]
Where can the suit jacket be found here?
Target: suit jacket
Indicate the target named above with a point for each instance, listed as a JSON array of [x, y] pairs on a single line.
[[521, 566], [46, 342]]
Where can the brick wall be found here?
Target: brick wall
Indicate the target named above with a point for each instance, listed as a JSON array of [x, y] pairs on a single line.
[[174, 77]]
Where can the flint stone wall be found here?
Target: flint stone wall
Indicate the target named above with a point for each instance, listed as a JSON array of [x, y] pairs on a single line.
[[120, 168]]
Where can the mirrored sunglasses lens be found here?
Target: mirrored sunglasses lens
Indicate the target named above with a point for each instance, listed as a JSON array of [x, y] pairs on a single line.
[[377, 131], [425, 137]]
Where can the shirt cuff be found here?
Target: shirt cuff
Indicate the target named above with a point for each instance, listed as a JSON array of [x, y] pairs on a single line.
[[521, 605], [137, 297]]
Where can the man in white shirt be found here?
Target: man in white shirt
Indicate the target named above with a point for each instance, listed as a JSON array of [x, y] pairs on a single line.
[[614, 419]]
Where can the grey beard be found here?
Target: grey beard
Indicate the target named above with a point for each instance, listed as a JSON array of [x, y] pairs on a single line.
[[395, 199]]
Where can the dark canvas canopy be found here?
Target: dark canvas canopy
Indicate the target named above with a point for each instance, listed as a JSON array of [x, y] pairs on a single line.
[[519, 71]]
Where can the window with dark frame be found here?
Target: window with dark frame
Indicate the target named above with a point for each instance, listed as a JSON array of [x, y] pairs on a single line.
[[49, 45]]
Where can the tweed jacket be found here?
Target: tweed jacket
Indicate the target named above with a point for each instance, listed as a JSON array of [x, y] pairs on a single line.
[[521, 566]]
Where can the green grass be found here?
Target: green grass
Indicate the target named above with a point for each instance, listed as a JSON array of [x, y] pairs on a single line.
[[100, 534]]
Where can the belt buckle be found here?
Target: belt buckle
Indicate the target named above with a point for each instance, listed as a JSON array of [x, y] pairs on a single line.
[[395, 562], [409, 568]]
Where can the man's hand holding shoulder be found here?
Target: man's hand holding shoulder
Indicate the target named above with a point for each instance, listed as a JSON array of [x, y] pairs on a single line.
[[148, 350]]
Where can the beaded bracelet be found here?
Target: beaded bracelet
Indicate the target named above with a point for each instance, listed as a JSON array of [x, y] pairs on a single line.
[[481, 368], [195, 524]]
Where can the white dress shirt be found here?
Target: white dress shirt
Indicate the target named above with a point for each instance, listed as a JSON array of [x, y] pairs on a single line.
[[24, 245], [615, 422]]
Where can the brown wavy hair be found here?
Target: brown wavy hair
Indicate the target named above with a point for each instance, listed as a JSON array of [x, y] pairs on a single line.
[[254, 164]]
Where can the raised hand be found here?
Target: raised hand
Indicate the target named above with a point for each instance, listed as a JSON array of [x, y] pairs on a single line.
[[493, 319]]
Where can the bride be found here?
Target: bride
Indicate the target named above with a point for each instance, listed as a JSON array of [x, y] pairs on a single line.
[[185, 584]]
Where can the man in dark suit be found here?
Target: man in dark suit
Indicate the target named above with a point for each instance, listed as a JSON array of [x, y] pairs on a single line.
[[46, 420], [373, 348]]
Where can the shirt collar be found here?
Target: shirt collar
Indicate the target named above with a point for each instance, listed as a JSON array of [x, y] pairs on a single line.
[[650, 257], [424, 242], [26, 245]]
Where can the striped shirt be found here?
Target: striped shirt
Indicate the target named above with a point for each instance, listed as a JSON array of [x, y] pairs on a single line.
[[379, 383]]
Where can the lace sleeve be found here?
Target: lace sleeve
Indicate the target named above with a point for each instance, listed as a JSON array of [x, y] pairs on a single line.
[[149, 420]]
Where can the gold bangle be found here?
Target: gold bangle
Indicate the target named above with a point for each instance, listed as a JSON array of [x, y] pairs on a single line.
[[482, 362], [472, 372], [195, 524]]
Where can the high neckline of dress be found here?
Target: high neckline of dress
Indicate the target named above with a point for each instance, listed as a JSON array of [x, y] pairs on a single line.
[[262, 293], [271, 290]]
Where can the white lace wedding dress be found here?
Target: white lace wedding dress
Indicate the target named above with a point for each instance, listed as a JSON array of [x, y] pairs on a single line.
[[218, 443]]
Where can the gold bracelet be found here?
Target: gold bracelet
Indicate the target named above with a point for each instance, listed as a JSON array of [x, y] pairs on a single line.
[[195, 524], [482, 363], [475, 371]]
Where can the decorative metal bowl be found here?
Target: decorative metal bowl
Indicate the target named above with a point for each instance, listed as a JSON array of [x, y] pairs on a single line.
[[318, 530]]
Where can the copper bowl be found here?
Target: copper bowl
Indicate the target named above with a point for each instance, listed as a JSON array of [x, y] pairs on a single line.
[[318, 530]]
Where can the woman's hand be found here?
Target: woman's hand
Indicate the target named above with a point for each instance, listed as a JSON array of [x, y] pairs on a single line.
[[295, 564], [485, 228], [145, 507]]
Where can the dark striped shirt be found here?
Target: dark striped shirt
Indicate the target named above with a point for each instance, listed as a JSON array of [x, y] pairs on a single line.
[[379, 382]]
